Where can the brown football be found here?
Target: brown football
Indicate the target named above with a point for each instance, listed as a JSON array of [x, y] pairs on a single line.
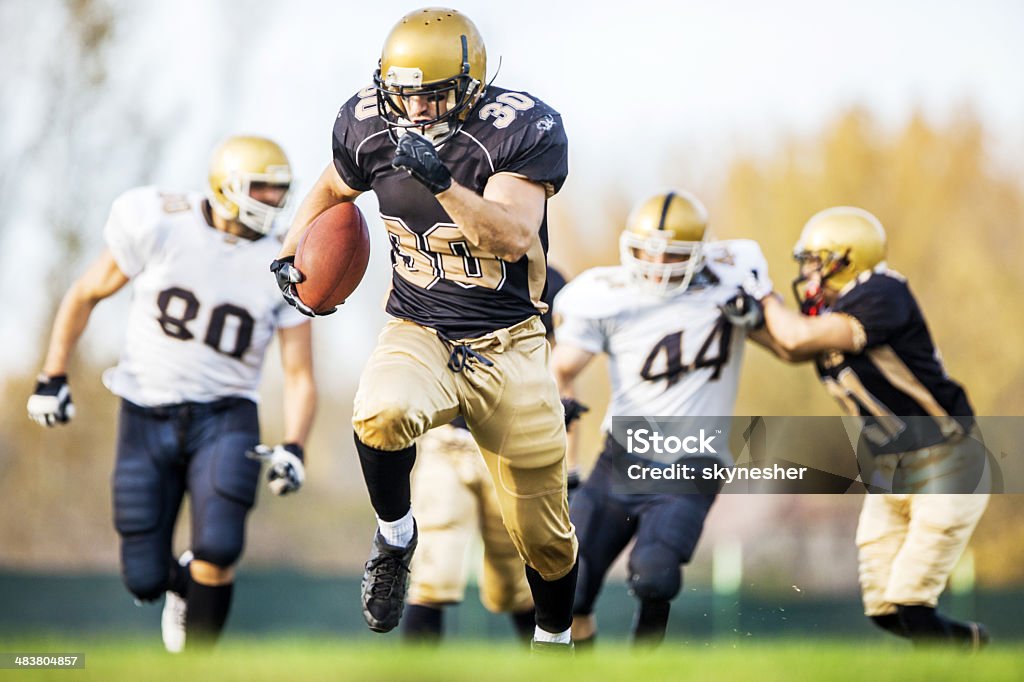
[[332, 254]]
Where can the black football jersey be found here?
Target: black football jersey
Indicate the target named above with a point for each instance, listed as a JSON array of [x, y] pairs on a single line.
[[897, 382], [440, 280]]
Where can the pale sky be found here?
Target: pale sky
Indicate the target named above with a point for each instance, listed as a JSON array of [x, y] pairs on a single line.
[[630, 79]]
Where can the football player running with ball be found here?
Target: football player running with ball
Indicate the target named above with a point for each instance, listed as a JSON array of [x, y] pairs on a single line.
[[661, 318], [867, 336], [462, 171], [201, 318]]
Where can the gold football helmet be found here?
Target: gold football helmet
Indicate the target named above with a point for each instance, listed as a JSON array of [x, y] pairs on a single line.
[[237, 164], [438, 54], [838, 244], [663, 243]]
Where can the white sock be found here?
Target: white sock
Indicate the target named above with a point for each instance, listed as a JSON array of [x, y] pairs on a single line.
[[556, 637], [397, 533]]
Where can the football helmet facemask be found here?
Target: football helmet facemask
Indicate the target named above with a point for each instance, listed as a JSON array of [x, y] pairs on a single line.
[[835, 246], [672, 225], [239, 164], [437, 54]]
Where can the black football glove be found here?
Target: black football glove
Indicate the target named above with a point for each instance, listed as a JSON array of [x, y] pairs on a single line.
[[743, 310], [416, 156], [573, 410], [286, 473], [51, 402], [288, 276]]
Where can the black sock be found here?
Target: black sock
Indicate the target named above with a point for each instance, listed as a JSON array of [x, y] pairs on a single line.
[[923, 625], [207, 612], [387, 479], [422, 624], [178, 578], [552, 599], [524, 622], [651, 622], [891, 623]]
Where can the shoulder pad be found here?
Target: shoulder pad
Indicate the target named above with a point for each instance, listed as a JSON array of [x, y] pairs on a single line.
[[596, 293], [732, 260]]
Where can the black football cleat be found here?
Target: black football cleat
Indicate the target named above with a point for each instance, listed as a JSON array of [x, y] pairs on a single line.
[[385, 580]]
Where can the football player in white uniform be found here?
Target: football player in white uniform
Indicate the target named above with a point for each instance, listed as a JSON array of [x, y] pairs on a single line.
[[201, 318], [661, 318]]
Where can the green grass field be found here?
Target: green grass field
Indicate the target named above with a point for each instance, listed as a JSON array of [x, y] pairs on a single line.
[[322, 659]]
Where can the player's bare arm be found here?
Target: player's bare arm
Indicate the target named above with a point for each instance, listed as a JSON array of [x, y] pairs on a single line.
[[764, 338], [799, 335], [505, 220], [102, 279], [328, 191], [567, 362], [300, 394]]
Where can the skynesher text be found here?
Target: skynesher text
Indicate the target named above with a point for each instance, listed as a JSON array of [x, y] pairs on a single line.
[[715, 472]]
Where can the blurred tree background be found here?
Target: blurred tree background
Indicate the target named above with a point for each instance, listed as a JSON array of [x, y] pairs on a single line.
[[955, 221]]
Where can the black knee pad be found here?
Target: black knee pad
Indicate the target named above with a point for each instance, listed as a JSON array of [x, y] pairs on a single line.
[[221, 546], [654, 574], [145, 577]]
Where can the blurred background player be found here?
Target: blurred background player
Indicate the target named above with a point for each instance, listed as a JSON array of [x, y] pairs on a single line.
[[201, 318], [671, 351], [455, 498], [867, 336], [462, 171]]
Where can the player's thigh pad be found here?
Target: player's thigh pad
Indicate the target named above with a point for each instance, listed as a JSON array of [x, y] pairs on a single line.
[[148, 485], [536, 513], [223, 482], [881, 531], [940, 528], [445, 507], [405, 389], [148, 473], [513, 407]]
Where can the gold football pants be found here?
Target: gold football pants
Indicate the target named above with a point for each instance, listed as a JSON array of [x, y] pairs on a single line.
[[909, 544], [455, 502], [511, 407]]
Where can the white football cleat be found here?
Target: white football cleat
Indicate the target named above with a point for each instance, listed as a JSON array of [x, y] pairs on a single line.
[[172, 620]]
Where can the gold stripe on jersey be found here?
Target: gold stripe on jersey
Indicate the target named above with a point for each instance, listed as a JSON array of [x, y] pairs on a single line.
[[442, 252], [886, 420], [899, 375], [537, 274]]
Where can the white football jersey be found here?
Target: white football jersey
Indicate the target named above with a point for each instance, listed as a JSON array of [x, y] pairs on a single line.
[[672, 355], [204, 304]]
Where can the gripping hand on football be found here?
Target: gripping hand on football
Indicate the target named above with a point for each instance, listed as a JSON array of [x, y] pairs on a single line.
[[287, 277], [51, 402], [286, 473], [416, 156]]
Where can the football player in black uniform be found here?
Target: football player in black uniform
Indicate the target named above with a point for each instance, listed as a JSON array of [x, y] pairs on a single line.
[[867, 336], [462, 171]]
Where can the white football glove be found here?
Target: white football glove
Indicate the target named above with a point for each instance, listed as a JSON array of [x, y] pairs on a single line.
[[286, 473], [51, 402], [755, 286]]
